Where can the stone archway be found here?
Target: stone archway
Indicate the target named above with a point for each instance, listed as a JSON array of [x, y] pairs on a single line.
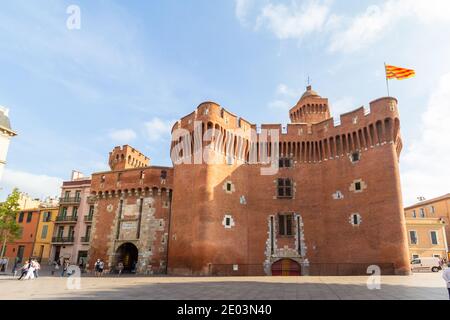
[[286, 268], [128, 254]]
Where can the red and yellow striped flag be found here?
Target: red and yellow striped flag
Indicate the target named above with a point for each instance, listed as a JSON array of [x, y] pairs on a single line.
[[399, 73]]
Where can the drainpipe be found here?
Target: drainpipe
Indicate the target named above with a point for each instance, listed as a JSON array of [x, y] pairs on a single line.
[[168, 231]]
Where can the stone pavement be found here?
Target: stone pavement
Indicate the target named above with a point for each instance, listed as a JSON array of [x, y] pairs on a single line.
[[429, 286]]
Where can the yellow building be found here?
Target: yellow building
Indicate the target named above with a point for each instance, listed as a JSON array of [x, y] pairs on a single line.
[[428, 226], [43, 243]]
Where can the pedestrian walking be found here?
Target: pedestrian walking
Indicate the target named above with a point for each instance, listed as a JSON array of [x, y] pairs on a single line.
[[30, 272], [446, 276], [55, 267], [37, 267], [24, 270], [120, 267]]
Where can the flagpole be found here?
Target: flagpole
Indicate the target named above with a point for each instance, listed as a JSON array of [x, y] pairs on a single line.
[[387, 80]]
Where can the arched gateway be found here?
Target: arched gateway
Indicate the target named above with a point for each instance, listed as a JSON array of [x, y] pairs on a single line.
[[286, 267], [127, 253]]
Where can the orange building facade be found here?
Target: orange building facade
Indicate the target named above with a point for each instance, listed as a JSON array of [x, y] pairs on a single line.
[[22, 248], [318, 197]]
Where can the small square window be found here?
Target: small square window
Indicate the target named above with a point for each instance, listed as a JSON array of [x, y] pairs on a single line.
[[355, 157]]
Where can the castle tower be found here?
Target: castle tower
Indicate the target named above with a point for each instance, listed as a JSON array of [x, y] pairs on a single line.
[[311, 108], [126, 157], [5, 136]]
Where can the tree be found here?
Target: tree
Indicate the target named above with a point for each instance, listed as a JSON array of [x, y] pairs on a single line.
[[9, 228]]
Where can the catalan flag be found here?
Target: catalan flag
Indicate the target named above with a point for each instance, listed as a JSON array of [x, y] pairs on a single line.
[[399, 73]]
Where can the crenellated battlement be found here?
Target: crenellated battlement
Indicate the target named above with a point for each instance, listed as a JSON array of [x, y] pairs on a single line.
[[126, 157], [326, 139]]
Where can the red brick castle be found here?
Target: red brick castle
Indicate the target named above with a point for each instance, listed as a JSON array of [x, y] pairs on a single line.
[[318, 197]]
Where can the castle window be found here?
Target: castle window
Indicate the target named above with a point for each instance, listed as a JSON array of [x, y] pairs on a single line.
[[432, 209], [338, 195], [357, 186], [21, 217], [355, 219], [284, 188], [163, 174], [142, 175], [119, 176], [285, 163], [285, 224], [414, 215], [228, 186], [102, 179], [228, 222], [356, 157]]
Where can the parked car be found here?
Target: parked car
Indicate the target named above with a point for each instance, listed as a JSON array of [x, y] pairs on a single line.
[[426, 264]]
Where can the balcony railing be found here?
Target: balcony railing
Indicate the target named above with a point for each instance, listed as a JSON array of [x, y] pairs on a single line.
[[66, 219], [88, 218], [63, 239], [85, 239], [69, 200]]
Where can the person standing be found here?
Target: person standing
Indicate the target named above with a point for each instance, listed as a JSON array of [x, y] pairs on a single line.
[[446, 276], [64, 267], [101, 266], [97, 267], [14, 269]]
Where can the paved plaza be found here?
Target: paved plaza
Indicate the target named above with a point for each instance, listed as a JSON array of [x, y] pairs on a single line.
[[427, 286]]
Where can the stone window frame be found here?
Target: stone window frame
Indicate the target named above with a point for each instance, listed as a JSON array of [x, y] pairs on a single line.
[[352, 156], [283, 229], [362, 184], [358, 217], [285, 188], [228, 218]]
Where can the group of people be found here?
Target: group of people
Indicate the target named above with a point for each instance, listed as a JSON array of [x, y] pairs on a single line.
[[99, 267], [64, 265], [30, 270]]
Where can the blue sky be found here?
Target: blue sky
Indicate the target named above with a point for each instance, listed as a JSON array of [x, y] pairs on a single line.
[[135, 67]]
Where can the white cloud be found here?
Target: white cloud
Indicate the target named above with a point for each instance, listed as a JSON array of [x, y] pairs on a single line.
[[242, 9], [157, 129], [123, 136], [425, 164], [294, 21], [37, 186], [345, 33], [366, 28]]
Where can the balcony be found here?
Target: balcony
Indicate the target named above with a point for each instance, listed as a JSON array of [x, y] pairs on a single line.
[[66, 219], [62, 239], [88, 218], [85, 239], [70, 200]]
